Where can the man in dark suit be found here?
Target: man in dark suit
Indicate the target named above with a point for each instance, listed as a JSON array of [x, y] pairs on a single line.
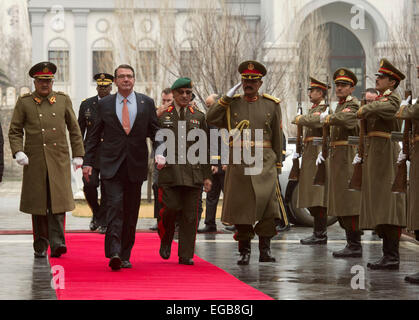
[[87, 117], [125, 120]]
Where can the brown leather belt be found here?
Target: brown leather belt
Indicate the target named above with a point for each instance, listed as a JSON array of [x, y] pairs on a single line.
[[257, 144], [339, 143], [309, 139], [379, 134]]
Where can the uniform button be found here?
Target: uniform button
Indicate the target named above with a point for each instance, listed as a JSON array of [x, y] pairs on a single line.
[[43, 130], [45, 145], [40, 115], [55, 144], [53, 129], [53, 114]]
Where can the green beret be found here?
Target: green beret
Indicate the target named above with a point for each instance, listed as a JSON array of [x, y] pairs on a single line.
[[182, 83]]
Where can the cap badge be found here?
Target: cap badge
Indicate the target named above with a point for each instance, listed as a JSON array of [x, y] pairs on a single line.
[[45, 70], [251, 66], [342, 72]]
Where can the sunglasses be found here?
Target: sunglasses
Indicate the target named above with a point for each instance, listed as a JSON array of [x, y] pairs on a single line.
[[182, 92]]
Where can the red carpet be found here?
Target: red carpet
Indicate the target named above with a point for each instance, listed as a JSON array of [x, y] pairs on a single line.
[[88, 277]]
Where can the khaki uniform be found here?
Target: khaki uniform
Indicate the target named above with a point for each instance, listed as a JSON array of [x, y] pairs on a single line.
[[309, 195], [39, 129], [379, 206], [251, 198], [343, 122], [412, 112], [180, 183]]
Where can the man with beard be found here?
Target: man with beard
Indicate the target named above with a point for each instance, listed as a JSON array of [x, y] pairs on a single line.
[[250, 203]]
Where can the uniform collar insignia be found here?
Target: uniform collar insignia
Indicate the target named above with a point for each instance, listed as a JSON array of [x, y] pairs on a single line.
[[52, 100], [191, 109], [170, 109], [37, 100], [349, 98], [387, 93]]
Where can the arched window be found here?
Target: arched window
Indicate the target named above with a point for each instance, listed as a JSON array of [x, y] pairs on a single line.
[[59, 54], [189, 60], [102, 57], [147, 63]]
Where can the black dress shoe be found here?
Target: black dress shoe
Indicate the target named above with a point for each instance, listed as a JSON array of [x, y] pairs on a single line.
[[56, 253], [231, 228], [385, 263], [102, 229], [42, 254], [165, 249], [207, 228], [115, 262], [186, 261], [126, 264], [315, 238], [414, 278], [93, 225]]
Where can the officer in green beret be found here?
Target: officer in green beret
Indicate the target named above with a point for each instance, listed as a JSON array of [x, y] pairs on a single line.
[[38, 141], [88, 114], [180, 182], [250, 201], [341, 202]]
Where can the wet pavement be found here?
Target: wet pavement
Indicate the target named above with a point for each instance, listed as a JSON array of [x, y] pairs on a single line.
[[301, 272]]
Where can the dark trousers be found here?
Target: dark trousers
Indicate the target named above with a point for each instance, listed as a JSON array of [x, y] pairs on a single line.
[[212, 199], [264, 228], [181, 202], [123, 204], [157, 207], [349, 223], [91, 195], [48, 230]]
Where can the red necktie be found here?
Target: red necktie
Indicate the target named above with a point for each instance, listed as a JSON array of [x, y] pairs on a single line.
[[125, 117]]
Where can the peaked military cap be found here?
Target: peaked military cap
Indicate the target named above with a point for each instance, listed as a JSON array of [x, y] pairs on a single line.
[[43, 70], [103, 79], [387, 69], [343, 75], [314, 83], [252, 70], [182, 83]]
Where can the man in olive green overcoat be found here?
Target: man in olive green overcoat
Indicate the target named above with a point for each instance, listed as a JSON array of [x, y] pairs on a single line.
[[250, 201], [380, 208], [312, 197], [411, 112], [343, 203], [38, 142]]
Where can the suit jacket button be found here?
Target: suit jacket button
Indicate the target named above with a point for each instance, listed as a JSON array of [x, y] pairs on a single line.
[[55, 144]]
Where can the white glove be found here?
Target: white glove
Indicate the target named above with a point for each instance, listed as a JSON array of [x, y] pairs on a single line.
[[233, 90], [320, 159], [323, 116], [77, 163], [357, 159], [22, 158], [406, 102], [160, 161], [299, 111], [414, 101], [401, 157], [296, 156]]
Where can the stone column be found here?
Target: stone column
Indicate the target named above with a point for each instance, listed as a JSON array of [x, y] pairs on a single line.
[[37, 26], [80, 76]]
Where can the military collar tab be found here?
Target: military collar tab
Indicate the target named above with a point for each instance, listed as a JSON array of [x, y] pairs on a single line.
[[387, 93]]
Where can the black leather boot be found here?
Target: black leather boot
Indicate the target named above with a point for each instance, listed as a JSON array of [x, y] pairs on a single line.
[[353, 248], [390, 259], [244, 249], [265, 250], [319, 235], [414, 278]]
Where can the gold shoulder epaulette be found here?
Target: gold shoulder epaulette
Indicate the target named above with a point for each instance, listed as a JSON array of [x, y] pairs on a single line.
[[269, 97], [236, 96]]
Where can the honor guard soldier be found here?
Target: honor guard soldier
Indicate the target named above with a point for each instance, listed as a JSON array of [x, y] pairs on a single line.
[[343, 123], [411, 112], [310, 196], [88, 114], [180, 183], [250, 202], [380, 208], [38, 142]]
